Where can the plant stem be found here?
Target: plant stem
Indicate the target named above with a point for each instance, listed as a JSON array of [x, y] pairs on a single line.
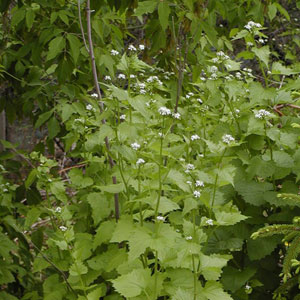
[[95, 76]]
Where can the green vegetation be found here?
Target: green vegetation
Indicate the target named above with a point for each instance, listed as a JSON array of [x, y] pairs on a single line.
[[171, 159]]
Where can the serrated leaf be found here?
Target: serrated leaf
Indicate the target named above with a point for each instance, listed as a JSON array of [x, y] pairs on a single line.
[[17, 17], [263, 54], [145, 7], [104, 233], [132, 284], [272, 10], [53, 127], [123, 231], [214, 291], [78, 268], [56, 47], [282, 159], [31, 178], [97, 293], [43, 118], [229, 218], [100, 207], [75, 46], [179, 179]]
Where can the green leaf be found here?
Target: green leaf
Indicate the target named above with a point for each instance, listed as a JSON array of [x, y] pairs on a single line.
[[145, 7], [56, 47], [31, 178], [233, 279], [29, 18], [113, 188], [229, 218], [123, 230], [53, 127], [104, 233], [78, 268], [163, 14], [6, 245], [214, 291], [43, 118], [283, 11], [17, 17], [79, 180], [132, 284], [253, 192], [32, 216], [75, 46], [260, 248], [179, 179], [100, 207], [282, 159], [272, 10], [97, 293], [263, 54]]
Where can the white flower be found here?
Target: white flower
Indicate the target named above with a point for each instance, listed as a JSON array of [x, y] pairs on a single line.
[[131, 48], [188, 238], [132, 76], [122, 117], [199, 100], [262, 41], [209, 222], [262, 113], [252, 25], [249, 44], [227, 138], [213, 69], [247, 287], [142, 85], [143, 92], [190, 167], [160, 218], [94, 95], [141, 47], [107, 77], [202, 78], [160, 134], [215, 60], [199, 183], [121, 76], [63, 228], [237, 111], [114, 52], [135, 146], [140, 161], [58, 209], [195, 137], [228, 66], [197, 194], [89, 107], [79, 120], [176, 115], [189, 182], [5, 190], [201, 155], [164, 111]]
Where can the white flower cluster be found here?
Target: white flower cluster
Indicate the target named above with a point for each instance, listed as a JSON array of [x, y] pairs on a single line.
[[131, 48], [4, 187], [189, 95], [89, 107], [160, 218], [197, 194], [58, 209], [122, 117], [188, 238], [107, 78], [132, 76], [141, 47], [164, 111], [227, 138], [213, 69], [221, 56], [190, 167], [176, 115], [195, 137], [199, 183], [114, 52], [153, 79], [140, 161], [252, 25], [94, 95], [262, 113], [209, 222], [200, 100], [63, 228], [121, 76], [135, 146]]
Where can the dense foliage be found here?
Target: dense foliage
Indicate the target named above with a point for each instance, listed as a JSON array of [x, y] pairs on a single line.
[[161, 186]]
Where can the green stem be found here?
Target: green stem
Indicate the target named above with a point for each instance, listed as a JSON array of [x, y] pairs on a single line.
[[195, 277], [155, 275], [139, 192]]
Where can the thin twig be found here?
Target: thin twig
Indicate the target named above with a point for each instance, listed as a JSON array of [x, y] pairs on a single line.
[[81, 27], [23, 157], [95, 76], [281, 82]]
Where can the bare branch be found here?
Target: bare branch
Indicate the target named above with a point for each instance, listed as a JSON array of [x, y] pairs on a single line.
[[81, 27]]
